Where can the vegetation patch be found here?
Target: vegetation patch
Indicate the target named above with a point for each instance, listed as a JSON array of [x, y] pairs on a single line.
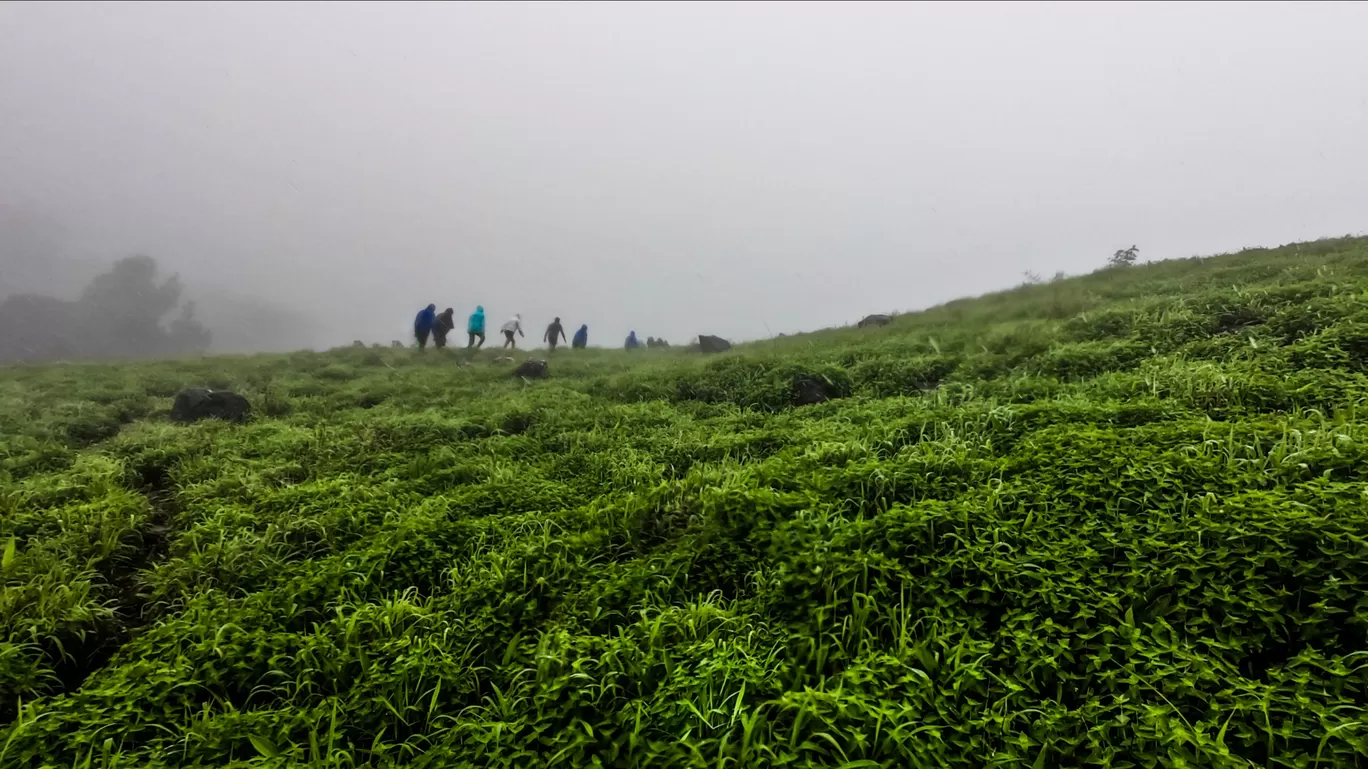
[[1113, 520]]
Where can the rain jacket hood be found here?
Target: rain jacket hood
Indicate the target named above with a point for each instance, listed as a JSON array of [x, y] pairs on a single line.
[[423, 323], [444, 321]]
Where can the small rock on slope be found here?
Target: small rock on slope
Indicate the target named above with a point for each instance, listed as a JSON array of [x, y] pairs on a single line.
[[809, 389], [712, 343], [201, 403], [531, 369]]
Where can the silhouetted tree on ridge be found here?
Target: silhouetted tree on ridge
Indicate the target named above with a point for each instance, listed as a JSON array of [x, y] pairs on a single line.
[[119, 315]]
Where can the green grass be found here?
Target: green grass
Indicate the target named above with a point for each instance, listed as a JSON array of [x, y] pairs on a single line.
[[1118, 520]]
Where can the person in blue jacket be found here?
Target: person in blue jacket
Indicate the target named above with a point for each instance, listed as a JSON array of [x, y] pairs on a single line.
[[422, 325], [632, 342], [581, 339], [475, 327]]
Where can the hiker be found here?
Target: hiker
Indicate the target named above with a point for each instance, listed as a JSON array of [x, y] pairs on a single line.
[[554, 331], [581, 339], [475, 327], [442, 327], [422, 325], [513, 326], [632, 342]]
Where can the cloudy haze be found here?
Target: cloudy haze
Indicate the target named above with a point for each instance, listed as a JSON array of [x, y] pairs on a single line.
[[738, 169]]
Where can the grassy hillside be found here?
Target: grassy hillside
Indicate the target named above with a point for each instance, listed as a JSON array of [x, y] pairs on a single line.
[[1119, 520]]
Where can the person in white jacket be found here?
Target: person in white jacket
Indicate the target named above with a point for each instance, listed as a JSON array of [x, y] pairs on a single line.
[[510, 328]]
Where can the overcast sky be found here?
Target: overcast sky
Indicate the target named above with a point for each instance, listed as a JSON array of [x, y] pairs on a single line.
[[730, 168]]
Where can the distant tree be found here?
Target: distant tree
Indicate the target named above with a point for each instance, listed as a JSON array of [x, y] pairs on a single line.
[[1059, 277], [129, 303], [119, 314], [187, 335], [1124, 257], [1032, 277], [37, 328]]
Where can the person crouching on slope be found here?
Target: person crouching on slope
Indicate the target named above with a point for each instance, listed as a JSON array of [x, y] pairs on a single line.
[[475, 327], [553, 332], [581, 339], [513, 326], [422, 325], [442, 327]]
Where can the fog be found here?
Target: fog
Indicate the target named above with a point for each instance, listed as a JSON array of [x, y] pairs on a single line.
[[674, 169]]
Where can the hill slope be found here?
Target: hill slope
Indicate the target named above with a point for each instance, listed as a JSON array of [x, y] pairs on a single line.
[[1118, 520]]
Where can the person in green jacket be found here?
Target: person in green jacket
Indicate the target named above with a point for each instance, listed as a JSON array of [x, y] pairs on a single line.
[[476, 328]]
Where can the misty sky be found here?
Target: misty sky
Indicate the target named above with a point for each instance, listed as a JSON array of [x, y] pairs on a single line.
[[738, 169]]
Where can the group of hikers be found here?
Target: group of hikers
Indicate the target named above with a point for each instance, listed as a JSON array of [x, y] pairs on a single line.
[[431, 323], [632, 342]]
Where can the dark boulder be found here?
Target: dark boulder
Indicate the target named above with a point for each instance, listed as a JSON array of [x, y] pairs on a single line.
[[875, 320], [517, 424], [475, 431], [531, 369], [712, 343], [809, 389], [194, 405]]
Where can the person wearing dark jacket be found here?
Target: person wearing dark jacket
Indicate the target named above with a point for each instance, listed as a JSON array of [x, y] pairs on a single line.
[[581, 339], [422, 325], [632, 342], [445, 323], [553, 332]]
